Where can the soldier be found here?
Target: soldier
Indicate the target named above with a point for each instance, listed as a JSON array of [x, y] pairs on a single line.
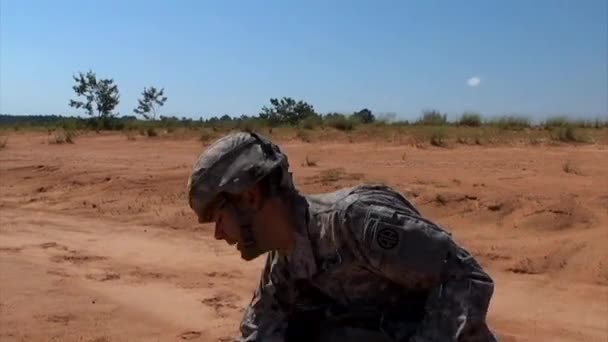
[[358, 264]]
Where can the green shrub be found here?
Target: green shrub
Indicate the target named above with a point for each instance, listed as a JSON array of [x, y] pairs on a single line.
[[61, 137], [432, 118], [69, 137], [439, 138], [558, 121], [340, 122], [151, 132], [511, 122], [303, 135], [470, 119], [311, 122], [569, 134], [205, 136]]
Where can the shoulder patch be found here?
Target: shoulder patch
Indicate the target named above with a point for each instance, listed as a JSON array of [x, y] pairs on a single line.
[[390, 233], [387, 237]]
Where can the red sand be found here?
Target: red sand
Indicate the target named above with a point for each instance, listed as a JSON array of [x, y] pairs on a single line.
[[97, 242]]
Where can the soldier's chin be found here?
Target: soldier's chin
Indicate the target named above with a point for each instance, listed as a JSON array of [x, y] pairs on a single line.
[[250, 253]]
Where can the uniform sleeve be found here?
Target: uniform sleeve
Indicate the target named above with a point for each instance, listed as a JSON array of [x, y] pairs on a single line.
[[265, 318], [411, 251]]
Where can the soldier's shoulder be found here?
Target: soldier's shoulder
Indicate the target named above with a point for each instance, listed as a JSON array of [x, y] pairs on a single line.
[[360, 196]]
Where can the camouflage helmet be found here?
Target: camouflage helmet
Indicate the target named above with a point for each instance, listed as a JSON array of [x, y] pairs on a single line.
[[233, 164]]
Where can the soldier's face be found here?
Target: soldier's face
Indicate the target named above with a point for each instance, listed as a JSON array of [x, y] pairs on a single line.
[[226, 223], [267, 217], [233, 218]]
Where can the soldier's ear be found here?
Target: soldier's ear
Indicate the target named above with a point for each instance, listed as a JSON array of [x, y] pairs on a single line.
[[253, 197]]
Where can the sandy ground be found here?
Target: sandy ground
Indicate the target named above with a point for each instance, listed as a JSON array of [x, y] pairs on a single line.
[[97, 243]]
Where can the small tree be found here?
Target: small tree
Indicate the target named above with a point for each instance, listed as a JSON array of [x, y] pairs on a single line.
[[151, 98], [364, 115], [103, 93], [286, 111]]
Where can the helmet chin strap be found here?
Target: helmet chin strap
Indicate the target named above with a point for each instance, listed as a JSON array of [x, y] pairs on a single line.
[[244, 219]]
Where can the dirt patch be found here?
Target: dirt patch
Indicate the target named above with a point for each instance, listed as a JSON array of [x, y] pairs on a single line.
[[77, 258], [222, 302], [552, 262], [59, 273], [190, 335], [11, 249], [55, 245], [63, 319], [105, 276], [558, 216], [145, 275], [329, 176]]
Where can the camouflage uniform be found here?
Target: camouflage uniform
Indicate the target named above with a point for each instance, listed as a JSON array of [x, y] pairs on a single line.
[[368, 267]]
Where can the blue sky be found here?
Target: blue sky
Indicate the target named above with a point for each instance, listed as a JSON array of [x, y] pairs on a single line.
[[535, 58]]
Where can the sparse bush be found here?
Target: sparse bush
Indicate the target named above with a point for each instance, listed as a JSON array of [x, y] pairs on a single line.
[[311, 122], [69, 137], [432, 118], [309, 162], [340, 122], [570, 167], [511, 122], [151, 132], [535, 141], [558, 121], [568, 134], [562, 121], [463, 140], [600, 124], [470, 119], [249, 125], [3, 142], [205, 136], [303, 135], [61, 137], [439, 138]]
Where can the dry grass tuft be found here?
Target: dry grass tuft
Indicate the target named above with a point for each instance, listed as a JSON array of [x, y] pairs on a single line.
[[570, 167], [303, 135], [205, 136], [309, 162], [569, 134], [336, 174], [61, 137], [439, 138]]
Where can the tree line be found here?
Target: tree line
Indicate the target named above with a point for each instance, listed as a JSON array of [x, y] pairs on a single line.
[[99, 97]]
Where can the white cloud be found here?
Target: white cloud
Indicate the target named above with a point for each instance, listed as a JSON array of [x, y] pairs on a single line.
[[474, 81]]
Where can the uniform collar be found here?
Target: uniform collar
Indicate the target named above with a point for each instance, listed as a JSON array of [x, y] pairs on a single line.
[[302, 264]]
